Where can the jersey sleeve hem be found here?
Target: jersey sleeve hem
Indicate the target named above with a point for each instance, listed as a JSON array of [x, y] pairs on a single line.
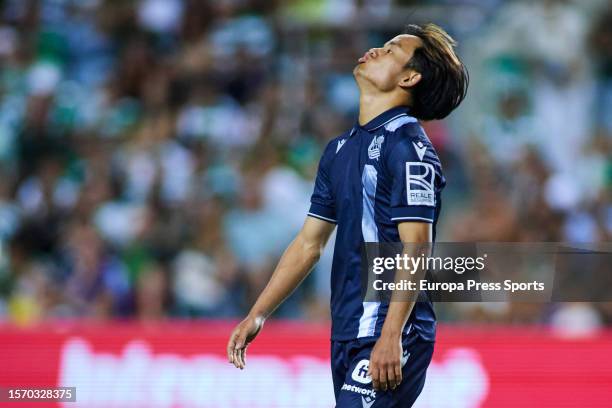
[[413, 213], [322, 212], [400, 219]]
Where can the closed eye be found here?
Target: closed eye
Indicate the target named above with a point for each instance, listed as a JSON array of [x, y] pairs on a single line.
[[390, 45]]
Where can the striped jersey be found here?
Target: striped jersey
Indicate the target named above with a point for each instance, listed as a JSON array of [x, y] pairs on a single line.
[[369, 179]]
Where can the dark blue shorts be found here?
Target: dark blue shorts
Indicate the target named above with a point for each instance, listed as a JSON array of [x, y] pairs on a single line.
[[352, 385]]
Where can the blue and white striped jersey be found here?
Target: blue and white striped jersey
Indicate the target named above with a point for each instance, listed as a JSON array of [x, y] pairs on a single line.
[[369, 179]]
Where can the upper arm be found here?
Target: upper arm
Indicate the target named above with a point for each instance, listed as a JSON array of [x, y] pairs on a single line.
[[322, 202], [321, 219], [413, 191], [414, 231], [315, 232]]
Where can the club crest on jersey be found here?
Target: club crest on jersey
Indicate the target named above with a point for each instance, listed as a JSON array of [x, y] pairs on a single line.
[[374, 148], [420, 183]]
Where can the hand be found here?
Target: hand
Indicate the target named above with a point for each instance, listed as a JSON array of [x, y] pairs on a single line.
[[386, 363], [242, 335]]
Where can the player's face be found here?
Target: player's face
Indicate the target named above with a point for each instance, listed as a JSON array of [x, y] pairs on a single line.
[[384, 67]]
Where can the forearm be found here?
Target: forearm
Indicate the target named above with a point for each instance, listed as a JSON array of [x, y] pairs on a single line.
[[396, 319], [297, 261], [401, 305], [294, 265]]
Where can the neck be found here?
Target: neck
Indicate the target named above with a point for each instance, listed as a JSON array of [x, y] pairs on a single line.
[[372, 105]]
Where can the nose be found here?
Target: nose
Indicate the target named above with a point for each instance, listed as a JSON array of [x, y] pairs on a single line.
[[369, 54]]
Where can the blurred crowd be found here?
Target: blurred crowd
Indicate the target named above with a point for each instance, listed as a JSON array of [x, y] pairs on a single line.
[[157, 156]]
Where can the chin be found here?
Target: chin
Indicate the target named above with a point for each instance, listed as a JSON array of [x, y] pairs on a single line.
[[359, 69]]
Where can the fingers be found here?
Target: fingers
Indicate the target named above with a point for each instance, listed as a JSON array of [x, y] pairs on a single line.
[[239, 350], [375, 373], [378, 372], [236, 349], [385, 376], [235, 360], [382, 379], [394, 375], [231, 345], [391, 380], [239, 358], [398, 375], [242, 355]]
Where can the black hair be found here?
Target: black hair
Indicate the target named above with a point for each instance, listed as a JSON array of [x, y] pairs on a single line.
[[444, 78]]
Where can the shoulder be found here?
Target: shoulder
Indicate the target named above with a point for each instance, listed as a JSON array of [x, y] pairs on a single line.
[[333, 144], [403, 123], [406, 138], [332, 147], [402, 130]]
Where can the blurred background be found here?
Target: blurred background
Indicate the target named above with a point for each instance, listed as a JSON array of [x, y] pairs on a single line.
[[157, 156]]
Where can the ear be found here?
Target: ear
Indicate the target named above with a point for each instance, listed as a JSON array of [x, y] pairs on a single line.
[[410, 79]]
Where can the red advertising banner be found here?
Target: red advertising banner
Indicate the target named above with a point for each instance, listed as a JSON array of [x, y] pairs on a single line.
[[184, 365]]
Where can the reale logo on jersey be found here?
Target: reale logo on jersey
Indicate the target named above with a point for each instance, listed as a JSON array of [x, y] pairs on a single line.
[[420, 183], [360, 373]]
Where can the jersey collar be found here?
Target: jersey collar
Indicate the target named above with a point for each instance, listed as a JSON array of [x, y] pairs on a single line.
[[382, 119]]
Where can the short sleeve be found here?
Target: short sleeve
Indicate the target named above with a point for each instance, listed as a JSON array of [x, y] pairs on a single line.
[[413, 196], [322, 203]]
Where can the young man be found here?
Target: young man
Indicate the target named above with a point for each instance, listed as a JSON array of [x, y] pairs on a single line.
[[378, 182]]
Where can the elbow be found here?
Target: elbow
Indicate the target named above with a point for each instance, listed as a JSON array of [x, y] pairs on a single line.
[[311, 251]]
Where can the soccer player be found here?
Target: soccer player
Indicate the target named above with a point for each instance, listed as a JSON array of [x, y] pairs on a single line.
[[378, 182]]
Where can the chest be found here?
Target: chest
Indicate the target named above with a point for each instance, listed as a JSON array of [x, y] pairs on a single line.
[[358, 167]]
